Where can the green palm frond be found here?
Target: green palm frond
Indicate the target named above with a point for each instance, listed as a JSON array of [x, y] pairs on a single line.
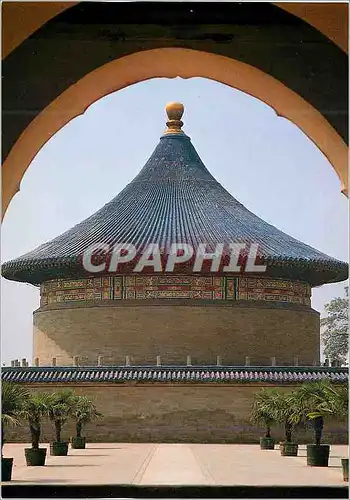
[[322, 399], [13, 398], [263, 407], [61, 405], [9, 420], [36, 407], [84, 410], [315, 414]]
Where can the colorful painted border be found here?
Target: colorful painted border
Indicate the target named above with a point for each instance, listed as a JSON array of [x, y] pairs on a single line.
[[174, 287]]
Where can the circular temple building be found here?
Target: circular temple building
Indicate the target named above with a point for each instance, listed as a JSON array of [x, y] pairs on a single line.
[[167, 337], [207, 315]]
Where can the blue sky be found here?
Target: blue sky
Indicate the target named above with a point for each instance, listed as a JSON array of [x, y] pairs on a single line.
[[263, 160]]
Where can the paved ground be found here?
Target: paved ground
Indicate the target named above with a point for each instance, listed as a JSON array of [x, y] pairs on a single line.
[[177, 464]]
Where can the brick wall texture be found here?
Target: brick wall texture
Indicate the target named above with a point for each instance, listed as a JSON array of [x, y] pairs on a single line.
[[172, 413], [204, 331]]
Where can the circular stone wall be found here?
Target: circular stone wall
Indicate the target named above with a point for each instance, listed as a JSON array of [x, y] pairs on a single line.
[[175, 317]]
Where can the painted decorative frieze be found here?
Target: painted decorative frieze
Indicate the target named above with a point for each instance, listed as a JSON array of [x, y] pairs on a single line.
[[174, 287]]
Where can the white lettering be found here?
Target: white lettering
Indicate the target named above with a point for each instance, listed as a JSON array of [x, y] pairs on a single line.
[[175, 258], [129, 251], [88, 265], [150, 258], [250, 266], [233, 266], [202, 255]]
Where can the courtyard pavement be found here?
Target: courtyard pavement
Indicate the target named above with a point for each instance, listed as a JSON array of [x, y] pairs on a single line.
[[177, 464]]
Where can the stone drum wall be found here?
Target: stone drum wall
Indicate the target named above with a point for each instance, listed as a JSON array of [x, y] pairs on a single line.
[[176, 317]]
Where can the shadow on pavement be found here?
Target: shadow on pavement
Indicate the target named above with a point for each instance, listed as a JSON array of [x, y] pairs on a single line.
[[69, 465], [87, 456]]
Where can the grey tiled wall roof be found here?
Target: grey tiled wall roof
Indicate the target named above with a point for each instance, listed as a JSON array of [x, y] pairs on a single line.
[[120, 374]]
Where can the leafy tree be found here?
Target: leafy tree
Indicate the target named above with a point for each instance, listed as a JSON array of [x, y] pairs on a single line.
[[84, 411], [336, 323], [13, 397]]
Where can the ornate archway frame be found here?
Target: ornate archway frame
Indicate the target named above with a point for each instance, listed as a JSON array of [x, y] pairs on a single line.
[[169, 62]]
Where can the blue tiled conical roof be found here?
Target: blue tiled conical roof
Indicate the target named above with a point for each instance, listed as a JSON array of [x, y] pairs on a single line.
[[173, 199]]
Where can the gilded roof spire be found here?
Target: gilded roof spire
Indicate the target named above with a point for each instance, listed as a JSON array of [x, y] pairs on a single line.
[[174, 111]]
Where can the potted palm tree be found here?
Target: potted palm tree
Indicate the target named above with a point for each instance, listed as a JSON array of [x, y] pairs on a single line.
[[339, 397], [13, 397], [60, 409], [36, 407], [262, 414], [317, 401], [84, 411], [345, 467], [285, 411]]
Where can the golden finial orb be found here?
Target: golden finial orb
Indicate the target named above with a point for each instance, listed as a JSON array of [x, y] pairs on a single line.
[[174, 111]]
